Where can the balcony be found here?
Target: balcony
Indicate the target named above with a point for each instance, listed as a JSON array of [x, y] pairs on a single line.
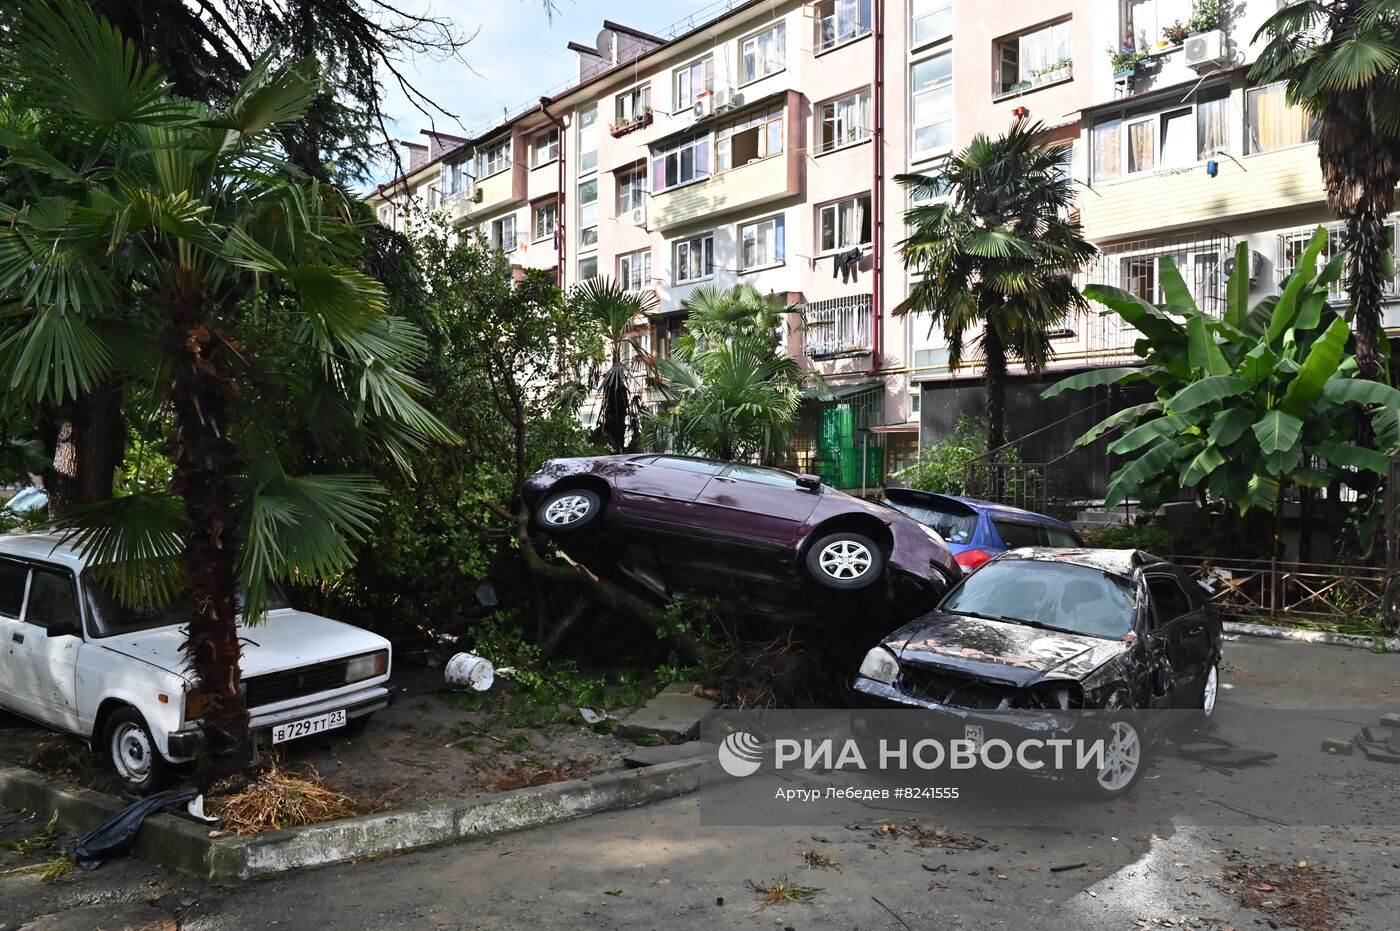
[[837, 327], [755, 183], [495, 191], [1054, 74]]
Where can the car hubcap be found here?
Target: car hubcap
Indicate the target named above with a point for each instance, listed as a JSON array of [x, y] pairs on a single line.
[[131, 751], [845, 559], [569, 509], [1121, 757], [1208, 696]]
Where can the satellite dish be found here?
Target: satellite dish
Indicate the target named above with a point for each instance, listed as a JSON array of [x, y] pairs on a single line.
[[606, 37]]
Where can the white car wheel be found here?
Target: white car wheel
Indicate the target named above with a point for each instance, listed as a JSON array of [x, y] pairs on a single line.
[[569, 510], [1122, 758], [845, 560], [1209, 690], [131, 752]]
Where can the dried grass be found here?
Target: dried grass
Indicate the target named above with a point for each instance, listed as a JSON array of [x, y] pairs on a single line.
[[280, 798], [782, 890]]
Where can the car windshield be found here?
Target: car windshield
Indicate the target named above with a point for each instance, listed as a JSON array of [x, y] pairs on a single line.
[[110, 617], [1056, 595], [954, 522]]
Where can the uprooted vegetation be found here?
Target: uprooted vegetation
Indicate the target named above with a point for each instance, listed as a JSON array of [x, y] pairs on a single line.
[[280, 798]]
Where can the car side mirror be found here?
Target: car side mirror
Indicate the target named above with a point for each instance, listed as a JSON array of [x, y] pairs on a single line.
[[809, 482]]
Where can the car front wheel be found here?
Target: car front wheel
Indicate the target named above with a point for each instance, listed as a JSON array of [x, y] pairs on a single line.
[[569, 510], [846, 561], [132, 753]]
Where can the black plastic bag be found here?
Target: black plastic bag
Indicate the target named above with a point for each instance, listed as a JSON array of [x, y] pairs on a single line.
[[116, 836]]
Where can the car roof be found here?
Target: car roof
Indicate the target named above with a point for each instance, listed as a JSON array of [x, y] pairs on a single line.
[[43, 546], [990, 507], [1114, 562]]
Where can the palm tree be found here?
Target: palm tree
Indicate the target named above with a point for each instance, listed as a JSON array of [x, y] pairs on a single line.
[[1341, 59], [732, 390], [616, 310], [155, 229], [993, 264]]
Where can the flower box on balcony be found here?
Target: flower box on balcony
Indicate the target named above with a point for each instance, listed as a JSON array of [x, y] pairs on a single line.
[[623, 128]]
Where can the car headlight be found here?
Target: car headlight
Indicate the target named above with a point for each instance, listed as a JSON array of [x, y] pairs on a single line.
[[368, 666], [879, 664]]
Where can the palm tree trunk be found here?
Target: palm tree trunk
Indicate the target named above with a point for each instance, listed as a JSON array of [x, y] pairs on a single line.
[[206, 460], [995, 380], [86, 441]]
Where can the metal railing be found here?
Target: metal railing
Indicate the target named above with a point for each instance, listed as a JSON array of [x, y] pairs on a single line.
[[837, 326], [1279, 590]]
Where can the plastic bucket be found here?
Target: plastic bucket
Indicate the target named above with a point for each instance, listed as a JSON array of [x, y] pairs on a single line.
[[470, 671]]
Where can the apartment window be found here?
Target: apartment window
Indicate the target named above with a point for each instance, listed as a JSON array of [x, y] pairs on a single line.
[[694, 259], [1271, 123], [1035, 56], [634, 270], [386, 215], [633, 104], [588, 213], [761, 244], [932, 20], [844, 121], [588, 138], [588, 268], [545, 148], [546, 219], [748, 139], [693, 80], [932, 105], [452, 179], [503, 234], [631, 191], [844, 224], [1146, 19], [493, 159], [680, 163], [840, 21], [1139, 141], [762, 54]]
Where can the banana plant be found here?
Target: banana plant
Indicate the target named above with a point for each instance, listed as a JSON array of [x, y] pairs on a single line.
[[1245, 404]]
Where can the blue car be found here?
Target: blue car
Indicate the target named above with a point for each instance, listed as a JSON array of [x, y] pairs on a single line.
[[975, 531]]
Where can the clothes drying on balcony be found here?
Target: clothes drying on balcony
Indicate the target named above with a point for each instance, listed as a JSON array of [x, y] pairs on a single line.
[[846, 265]]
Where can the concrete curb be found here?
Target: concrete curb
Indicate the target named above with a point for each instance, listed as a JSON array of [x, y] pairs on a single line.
[[1392, 644], [185, 846]]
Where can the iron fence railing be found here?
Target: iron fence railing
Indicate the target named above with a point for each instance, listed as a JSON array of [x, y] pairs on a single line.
[[1277, 589]]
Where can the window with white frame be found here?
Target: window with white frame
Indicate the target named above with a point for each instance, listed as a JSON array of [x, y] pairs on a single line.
[[932, 20], [452, 179], [494, 158], [1142, 140], [931, 87], [633, 104], [1146, 19], [545, 148], [694, 79], [503, 234], [762, 243], [693, 259], [748, 139], [844, 224], [588, 213], [546, 219], [386, 214], [631, 191], [587, 267], [844, 121], [763, 54], [841, 21], [1036, 56], [588, 138], [680, 162], [634, 270], [1271, 123], [1294, 243]]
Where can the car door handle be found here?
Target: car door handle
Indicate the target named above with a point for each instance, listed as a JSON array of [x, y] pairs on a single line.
[[725, 480], [17, 637]]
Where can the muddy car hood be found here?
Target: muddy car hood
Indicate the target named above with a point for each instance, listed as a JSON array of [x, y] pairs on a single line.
[[997, 650]]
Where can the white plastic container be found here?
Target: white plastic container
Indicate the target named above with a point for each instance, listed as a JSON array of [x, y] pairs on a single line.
[[470, 671]]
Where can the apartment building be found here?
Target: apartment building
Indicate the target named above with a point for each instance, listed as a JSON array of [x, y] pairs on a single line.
[[760, 143]]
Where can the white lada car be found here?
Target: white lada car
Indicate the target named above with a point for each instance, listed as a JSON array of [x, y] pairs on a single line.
[[74, 659]]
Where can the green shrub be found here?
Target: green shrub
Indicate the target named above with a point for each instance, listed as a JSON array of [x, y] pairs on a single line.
[[1154, 540], [939, 467]]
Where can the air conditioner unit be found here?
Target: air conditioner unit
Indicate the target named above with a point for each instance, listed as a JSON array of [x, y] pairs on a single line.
[[639, 216], [1206, 50], [726, 99], [477, 194], [704, 107], [1256, 266]]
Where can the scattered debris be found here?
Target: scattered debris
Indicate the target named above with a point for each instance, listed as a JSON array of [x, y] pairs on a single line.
[[1220, 753], [280, 798], [891, 911], [1299, 895], [1067, 867], [782, 890], [926, 837], [816, 860], [467, 670], [116, 836], [526, 777], [48, 871], [1334, 746]]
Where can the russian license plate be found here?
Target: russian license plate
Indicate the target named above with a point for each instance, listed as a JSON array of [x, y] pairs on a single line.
[[972, 733], [293, 730]]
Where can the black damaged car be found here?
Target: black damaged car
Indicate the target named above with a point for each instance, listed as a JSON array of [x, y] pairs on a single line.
[[1040, 634]]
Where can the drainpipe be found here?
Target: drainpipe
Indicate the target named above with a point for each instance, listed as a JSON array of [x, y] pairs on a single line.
[[877, 199], [559, 196]]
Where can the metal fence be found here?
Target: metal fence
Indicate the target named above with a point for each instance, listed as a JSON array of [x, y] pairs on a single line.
[[1346, 596]]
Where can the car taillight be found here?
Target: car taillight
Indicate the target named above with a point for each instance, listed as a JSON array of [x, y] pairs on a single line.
[[971, 559]]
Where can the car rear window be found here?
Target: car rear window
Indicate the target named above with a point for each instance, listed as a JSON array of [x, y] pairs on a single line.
[[1016, 534], [954, 522], [1059, 536]]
